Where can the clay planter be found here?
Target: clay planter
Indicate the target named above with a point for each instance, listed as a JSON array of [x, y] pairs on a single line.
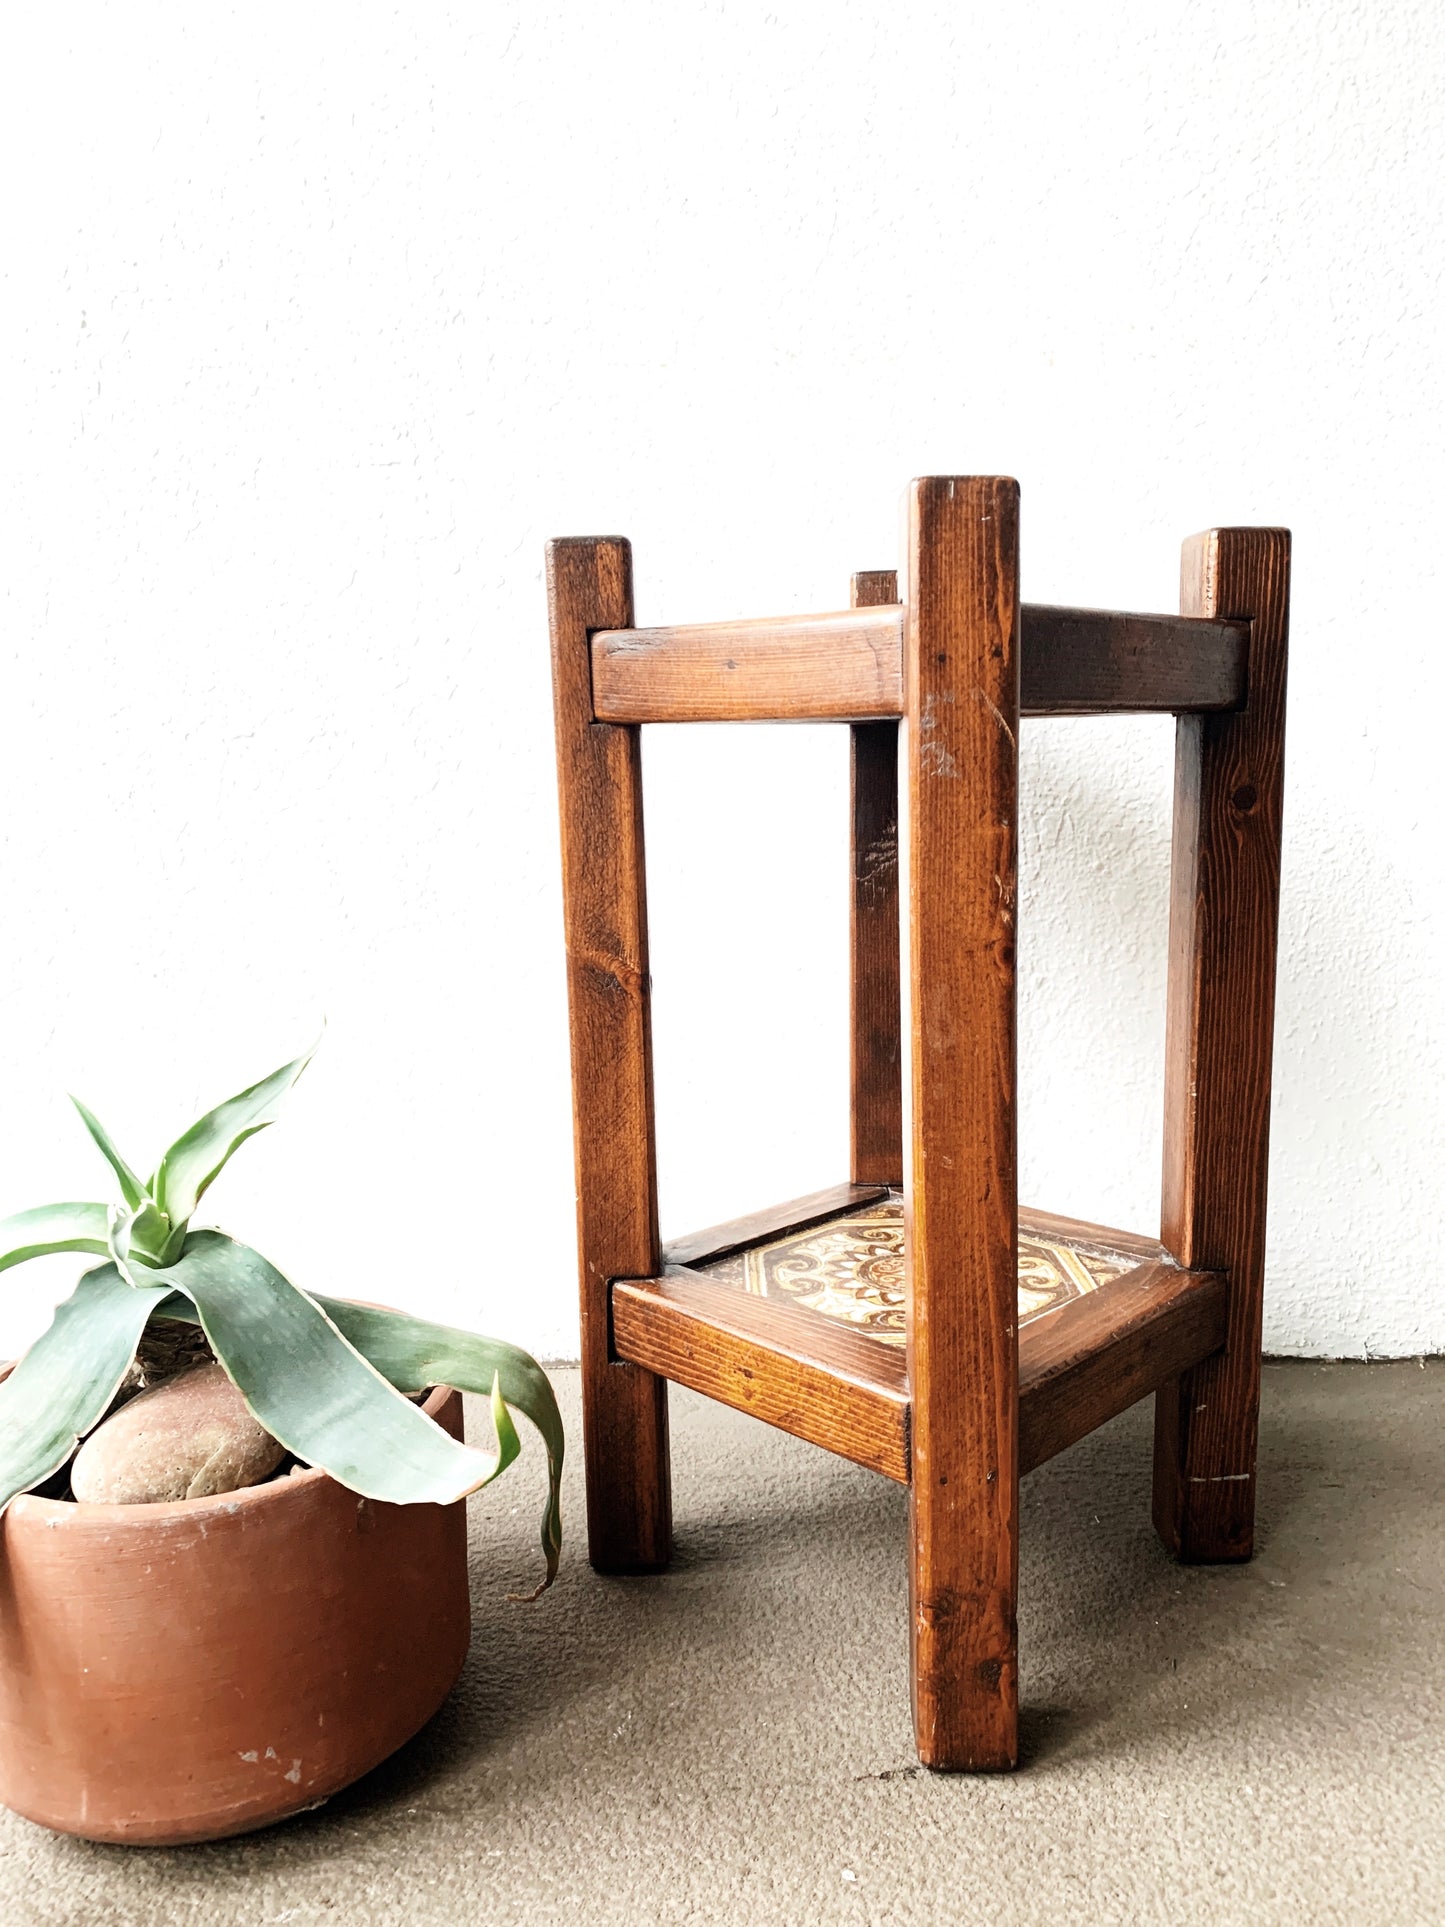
[[171, 1673]]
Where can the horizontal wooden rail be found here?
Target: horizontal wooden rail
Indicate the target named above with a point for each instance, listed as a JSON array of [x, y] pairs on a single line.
[[1097, 1355], [837, 1387], [701, 1248], [808, 1375], [1085, 1236], [777, 1221], [848, 667], [835, 668]]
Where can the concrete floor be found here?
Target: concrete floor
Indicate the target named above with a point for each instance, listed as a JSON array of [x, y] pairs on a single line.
[[731, 1742]]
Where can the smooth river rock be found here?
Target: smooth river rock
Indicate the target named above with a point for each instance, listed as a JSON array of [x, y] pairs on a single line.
[[185, 1439]]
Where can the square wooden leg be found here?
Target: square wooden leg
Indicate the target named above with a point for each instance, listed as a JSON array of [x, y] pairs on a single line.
[[1224, 910], [599, 770], [629, 1484], [960, 755], [963, 1661]]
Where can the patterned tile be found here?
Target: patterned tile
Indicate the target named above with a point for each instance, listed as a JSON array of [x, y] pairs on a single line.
[[851, 1269]]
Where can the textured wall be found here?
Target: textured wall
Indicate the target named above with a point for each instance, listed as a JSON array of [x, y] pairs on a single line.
[[318, 322]]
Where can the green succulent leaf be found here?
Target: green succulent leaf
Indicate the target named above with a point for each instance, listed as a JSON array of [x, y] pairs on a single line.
[[65, 1382], [152, 1235], [194, 1160], [132, 1190], [53, 1227], [413, 1353], [314, 1391], [139, 1236]]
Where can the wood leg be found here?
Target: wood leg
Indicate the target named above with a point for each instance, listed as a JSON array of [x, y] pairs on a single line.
[[624, 1408], [960, 754], [627, 1463], [1229, 779], [875, 1025]]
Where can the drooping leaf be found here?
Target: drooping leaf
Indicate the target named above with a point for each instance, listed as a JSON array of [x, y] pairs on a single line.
[[194, 1160], [131, 1188], [414, 1353], [314, 1391], [63, 1384], [53, 1227]]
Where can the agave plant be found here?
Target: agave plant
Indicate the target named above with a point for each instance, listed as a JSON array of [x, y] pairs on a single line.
[[327, 1378]]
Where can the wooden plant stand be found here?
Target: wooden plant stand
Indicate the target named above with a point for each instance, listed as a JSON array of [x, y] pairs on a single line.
[[915, 1320]]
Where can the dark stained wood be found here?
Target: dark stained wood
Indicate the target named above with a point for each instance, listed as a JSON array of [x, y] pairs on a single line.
[[874, 589], [1078, 1231], [874, 1000], [796, 1214], [759, 1227], [848, 1391], [792, 1367], [971, 1401], [847, 667], [960, 755], [1083, 662], [1228, 795], [1099, 1354], [629, 1513]]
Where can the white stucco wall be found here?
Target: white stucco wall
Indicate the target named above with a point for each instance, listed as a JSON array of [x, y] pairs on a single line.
[[317, 323]]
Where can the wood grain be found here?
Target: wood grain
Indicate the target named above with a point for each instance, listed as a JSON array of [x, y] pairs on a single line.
[[848, 667], [971, 1402], [624, 1425], [1099, 1354], [826, 668], [1079, 1231], [817, 1207], [775, 1221], [789, 1366], [1224, 908], [848, 1391], [874, 998], [960, 755], [1092, 662]]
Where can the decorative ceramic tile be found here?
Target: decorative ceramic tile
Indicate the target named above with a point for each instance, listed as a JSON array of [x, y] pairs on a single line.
[[851, 1268]]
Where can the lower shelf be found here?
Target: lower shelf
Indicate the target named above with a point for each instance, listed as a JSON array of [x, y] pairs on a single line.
[[796, 1315]]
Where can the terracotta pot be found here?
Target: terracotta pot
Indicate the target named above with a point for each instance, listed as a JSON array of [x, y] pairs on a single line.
[[171, 1673]]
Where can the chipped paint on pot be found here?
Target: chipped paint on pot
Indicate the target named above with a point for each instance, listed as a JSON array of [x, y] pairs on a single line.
[[180, 1672]]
